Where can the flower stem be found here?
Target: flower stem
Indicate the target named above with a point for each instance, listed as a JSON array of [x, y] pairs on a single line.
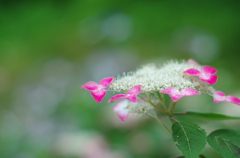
[[159, 121], [180, 113], [149, 101], [173, 108], [162, 103]]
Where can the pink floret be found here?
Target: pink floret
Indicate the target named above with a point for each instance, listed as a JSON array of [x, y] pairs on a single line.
[[91, 85], [219, 96], [97, 90], [130, 95], [106, 82], [193, 72], [121, 109], [206, 74], [98, 95], [209, 70], [175, 94], [192, 62]]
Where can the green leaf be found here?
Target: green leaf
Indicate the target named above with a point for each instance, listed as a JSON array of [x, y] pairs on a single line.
[[189, 138], [225, 142], [210, 116]]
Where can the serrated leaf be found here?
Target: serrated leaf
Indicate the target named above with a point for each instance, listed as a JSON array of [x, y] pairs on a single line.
[[225, 142], [210, 116], [189, 138]]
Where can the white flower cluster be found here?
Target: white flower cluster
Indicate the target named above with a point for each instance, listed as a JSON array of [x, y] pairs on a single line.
[[156, 78], [141, 107]]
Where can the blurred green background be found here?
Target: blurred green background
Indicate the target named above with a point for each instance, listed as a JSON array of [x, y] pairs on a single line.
[[49, 48]]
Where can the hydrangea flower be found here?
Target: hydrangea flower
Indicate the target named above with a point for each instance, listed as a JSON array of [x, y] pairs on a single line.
[[97, 90], [219, 96], [175, 94], [206, 74], [142, 90]]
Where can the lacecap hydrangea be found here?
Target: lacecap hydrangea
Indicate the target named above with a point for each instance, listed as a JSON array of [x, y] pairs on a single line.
[[143, 91]]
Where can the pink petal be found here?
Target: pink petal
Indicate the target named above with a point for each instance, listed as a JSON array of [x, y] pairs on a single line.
[[233, 100], [98, 95], [219, 97], [175, 97], [135, 90], [123, 114], [170, 90], [116, 97], [220, 93], [209, 79], [192, 62], [173, 93], [120, 105], [193, 72], [208, 70], [189, 92], [133, 98], [106, 82], [91, 85]]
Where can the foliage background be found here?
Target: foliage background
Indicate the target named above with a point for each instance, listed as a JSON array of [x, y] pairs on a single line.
[[49, 48]]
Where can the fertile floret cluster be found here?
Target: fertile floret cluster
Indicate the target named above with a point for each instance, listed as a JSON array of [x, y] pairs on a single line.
[[146, 87]]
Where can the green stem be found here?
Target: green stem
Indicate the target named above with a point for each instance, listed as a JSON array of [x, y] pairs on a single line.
[[180, 113], [162, 103], [157, 107], [173, 108], [173, 119], [170, 106], [162, 95], [159, 121]]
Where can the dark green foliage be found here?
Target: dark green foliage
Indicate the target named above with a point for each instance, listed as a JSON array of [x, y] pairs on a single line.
[[226, 142], [211, 116], [189, 138]]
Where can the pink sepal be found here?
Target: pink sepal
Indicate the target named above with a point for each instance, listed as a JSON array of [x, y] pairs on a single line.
[[121, 109], [133, 98], [193, 72], [120, 105], [106, 82], [221, 97], [98, 95], [233, 100], [91, 85], [190, 92], [211, 79], [123, 114], [169, 90], [98, 91], [209, 70], [116, 97], [135, 90], [130, 95], [176, 95], [206, 74], [192, 62]]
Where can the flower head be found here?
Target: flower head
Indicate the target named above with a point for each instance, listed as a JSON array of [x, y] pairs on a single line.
[[97, 90], [175, 94], [206, 74], [130, 95], [219, 96], [154, 78]]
